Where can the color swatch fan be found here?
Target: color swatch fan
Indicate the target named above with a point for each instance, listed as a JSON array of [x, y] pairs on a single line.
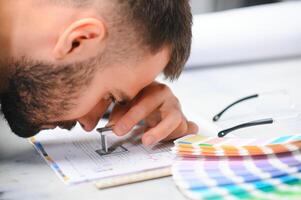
[[238, 168], [197, 145]]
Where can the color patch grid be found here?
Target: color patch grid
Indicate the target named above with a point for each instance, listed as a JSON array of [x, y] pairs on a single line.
[[265, 175]]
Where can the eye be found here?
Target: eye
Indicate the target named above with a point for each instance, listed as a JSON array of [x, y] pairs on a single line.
[[122, 103], [112, 98]]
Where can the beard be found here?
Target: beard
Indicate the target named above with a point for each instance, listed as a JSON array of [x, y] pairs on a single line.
[[38, 92]]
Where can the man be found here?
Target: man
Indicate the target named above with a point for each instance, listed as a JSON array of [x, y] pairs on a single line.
[[66, 61]]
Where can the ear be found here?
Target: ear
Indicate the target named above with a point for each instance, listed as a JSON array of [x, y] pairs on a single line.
[[82, 39]]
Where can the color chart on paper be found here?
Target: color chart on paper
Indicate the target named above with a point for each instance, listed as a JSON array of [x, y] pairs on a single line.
[[271, 174], [195, 145]]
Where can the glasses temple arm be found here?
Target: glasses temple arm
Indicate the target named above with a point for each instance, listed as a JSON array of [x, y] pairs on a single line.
[[216, 117], [245, 125]]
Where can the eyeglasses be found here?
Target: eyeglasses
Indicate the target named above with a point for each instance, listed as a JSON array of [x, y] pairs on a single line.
[[263, 121]]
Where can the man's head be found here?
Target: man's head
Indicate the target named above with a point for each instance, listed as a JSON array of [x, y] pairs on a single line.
[[67, 59]]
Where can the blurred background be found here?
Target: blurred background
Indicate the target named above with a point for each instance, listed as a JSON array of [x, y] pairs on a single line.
[[231, 32], [206, 6]]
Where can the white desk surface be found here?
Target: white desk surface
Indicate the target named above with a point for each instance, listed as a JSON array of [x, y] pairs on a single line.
[[24, 174]]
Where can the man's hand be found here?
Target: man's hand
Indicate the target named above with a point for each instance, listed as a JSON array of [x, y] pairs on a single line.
[[160, 110]]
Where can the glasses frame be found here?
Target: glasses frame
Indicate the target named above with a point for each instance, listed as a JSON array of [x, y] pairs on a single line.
[[258, 122]]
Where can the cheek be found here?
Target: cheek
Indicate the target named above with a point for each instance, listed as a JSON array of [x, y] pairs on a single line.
[[98, 110], [89, 108], [91, 119]]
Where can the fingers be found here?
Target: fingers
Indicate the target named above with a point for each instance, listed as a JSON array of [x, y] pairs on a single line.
[[161, 111], [90, 120], [192, 128], [153, 119], [166, 131], [185, 128], [139, 110], [117, 112], [162, 130]]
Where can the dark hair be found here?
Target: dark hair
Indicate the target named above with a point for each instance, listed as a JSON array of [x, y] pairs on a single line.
[[32, 98], [17, 121], [164, 22], [156, 23]]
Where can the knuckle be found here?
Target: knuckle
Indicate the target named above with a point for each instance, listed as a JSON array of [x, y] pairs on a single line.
[[175, 106], [134, 116], [138, 111], [184, 123], [178, 117], [183, 128], [176, 103], [193, 128], [163, 88], [129, 121], [170, 96]]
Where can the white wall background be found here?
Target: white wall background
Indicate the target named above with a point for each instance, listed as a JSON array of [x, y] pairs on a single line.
[[205, 6]]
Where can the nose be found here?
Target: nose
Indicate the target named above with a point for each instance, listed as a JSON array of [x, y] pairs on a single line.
[[87, 123], [90, 120]]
